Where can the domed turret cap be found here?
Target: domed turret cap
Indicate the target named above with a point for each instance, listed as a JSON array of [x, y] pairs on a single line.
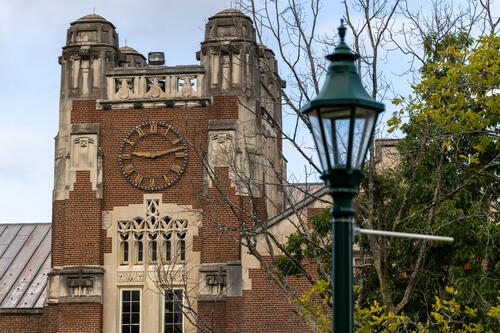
[[93, 18], [231, 12], [229, 24]]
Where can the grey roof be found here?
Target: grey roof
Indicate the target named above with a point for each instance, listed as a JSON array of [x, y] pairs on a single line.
[[93, 18], [24, 264]]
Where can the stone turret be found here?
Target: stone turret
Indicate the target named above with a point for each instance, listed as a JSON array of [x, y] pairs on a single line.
[[132, 57], [91, 49], [230, 54]]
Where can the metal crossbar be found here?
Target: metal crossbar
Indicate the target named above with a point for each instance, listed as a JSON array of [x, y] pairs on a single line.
[[401, 234]]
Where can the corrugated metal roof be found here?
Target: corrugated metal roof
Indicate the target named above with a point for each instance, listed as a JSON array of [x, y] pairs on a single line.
[[24, 264]]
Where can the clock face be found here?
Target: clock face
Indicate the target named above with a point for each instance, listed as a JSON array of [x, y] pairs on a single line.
[[153, 155]]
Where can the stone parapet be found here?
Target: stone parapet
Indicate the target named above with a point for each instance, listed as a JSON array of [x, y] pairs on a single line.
[[167, 86]]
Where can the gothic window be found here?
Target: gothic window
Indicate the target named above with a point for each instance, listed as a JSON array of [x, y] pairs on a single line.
[[167, 247], [124, 249], [130, 311], [153, 238], [153, 248], [181, 246], [138, 249], [172, 314]]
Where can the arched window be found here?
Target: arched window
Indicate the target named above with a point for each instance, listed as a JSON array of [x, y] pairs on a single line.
[[181, 246], [124, 249], [167, 247], [138, 249], [153, 248]]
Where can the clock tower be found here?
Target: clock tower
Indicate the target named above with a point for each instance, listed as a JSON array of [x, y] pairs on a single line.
[[148, 163]]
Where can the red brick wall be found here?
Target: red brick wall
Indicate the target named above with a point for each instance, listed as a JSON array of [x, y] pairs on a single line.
[[76, 236], [267, 308], [26, 323], [70, 318], [213, 314]]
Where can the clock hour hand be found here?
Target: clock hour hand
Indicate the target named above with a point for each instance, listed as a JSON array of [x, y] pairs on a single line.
[[142, 154]]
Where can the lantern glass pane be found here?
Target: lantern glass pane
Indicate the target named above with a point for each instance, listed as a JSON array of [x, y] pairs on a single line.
[[336, 122], [318, 139], [363, 125]]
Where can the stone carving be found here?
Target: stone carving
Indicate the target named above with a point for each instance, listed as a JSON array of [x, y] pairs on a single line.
[[106, 220], [216, 283], [155, 89], [83, 141], [80, 285], [124, 89], [152, 88], [84, 152], [221, 149], [76, 284], [186, 86], [152, 209], [213, 278], [130, 276]]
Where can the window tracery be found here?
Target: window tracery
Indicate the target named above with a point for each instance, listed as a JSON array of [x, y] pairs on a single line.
[[163, 237]]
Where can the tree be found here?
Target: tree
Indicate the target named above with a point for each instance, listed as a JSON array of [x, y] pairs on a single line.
[[436, 188], [451, 180], [446, 182]]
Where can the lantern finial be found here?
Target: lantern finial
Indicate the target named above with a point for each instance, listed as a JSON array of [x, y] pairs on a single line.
[[342, 30]]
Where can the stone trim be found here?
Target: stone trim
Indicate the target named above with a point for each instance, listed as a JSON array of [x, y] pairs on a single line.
[[222, 124], [85, 129], [21, 311]]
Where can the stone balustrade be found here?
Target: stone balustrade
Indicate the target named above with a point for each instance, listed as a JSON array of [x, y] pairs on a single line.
[[155, 86]]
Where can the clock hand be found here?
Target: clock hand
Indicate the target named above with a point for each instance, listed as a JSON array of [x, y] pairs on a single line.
[[155, 154], [163, 152], [142, 154]]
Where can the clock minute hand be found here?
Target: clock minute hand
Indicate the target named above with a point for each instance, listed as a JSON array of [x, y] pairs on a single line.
[[163, 152]]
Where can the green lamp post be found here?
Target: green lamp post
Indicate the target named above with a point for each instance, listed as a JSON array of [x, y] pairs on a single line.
[[343, 118]]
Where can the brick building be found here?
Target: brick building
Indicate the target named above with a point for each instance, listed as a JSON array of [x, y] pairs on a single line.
[[151, 162]]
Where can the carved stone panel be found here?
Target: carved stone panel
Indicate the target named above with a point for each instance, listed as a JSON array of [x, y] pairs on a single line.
[[75, 284], [130, 276], [107, 219], [221, 148], [212, 280]]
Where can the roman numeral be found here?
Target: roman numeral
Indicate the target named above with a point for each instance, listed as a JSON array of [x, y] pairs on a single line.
[[128, 141], [154, 128], [129, 168], [138, 180], [176, 168], [151, 182], [166, 179], [180, 154], [168, 129], [176, 141], [126, 156], [139, 131]]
